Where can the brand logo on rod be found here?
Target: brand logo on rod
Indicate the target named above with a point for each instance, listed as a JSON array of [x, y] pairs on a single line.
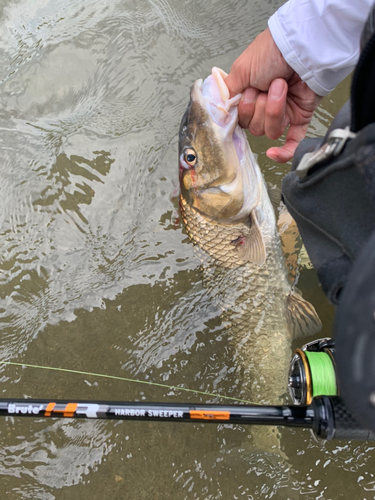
[[25, 409]]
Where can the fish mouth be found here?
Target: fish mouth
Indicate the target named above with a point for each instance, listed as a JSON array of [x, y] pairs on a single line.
[[225, 182], [213, 96]]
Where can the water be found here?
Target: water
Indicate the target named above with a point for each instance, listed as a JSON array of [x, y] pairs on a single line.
[[97, 275]]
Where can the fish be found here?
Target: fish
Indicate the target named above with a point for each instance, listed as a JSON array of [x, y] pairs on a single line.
[[227, 212]]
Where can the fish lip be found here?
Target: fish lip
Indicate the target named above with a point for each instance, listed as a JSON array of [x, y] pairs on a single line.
[[197, 86]]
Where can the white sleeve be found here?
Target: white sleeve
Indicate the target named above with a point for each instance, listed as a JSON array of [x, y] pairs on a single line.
[[319, 39]]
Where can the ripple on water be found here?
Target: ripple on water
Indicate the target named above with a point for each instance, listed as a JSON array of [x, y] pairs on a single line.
[[95, 272]]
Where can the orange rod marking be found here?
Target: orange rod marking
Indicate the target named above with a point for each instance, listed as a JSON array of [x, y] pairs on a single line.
[[68, 411], [209, 415], [49, 409]]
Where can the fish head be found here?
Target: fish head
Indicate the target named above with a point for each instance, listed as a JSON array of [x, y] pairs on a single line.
[[216, 177]]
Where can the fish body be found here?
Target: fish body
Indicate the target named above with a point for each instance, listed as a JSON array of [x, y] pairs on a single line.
[[228, 214]]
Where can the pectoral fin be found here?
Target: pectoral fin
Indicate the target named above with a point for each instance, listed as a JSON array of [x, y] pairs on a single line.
[[274, 194], [251, 248], [301, 316]]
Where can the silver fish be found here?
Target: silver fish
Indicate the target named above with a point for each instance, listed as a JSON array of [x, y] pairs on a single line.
[[228, 214]]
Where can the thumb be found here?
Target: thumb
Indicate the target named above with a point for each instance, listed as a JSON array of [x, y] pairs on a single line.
[[237, 80]]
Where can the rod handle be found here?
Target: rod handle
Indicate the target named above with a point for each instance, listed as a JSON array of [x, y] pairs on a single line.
[[332, 420]]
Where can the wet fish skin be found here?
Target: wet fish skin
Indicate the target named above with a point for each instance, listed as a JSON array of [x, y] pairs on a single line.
[[253, 302]]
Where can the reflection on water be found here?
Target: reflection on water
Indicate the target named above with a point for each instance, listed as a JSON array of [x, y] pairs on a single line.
[[96, 273]]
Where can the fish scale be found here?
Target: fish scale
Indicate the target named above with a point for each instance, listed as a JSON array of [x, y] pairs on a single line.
[[252, 299]]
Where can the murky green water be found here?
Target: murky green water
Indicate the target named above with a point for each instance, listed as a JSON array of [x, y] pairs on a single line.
[[96, 273]]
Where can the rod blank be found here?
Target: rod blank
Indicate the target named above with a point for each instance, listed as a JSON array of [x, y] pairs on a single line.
[[289, 416]]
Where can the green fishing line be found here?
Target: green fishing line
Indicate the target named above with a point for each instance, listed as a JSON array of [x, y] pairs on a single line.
[[156, 384], [322, 374]]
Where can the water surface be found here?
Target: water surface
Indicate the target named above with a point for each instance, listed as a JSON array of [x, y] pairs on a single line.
[[96, 273]]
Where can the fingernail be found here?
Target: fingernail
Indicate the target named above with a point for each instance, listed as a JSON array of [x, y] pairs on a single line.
[[276, 89], [249, 95]]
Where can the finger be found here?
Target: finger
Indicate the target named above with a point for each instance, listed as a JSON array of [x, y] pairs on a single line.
[[246, 106], [276, 120], [282, 154], [256, 126], [238, 78], [286, 152]]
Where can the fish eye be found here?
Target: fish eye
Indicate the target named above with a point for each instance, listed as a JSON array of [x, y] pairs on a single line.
[[190, 157]]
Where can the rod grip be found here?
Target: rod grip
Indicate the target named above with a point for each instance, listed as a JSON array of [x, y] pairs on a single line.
[[332, 420]]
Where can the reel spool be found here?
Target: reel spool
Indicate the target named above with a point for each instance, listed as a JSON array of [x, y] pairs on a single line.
[[312, 372]]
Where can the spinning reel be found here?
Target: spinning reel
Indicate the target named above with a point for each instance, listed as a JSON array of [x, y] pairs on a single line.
[[313, 372]]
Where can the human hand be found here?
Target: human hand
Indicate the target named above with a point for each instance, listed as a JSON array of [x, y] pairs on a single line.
[[274, 97]]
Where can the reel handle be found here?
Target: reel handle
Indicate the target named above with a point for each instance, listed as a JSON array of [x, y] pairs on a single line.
[[332, 420]]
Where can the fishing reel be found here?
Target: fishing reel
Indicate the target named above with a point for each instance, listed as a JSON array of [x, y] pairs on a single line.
[[313, 372]]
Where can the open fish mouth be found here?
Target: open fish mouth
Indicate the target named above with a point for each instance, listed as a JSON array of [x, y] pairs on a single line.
[[218, 173]]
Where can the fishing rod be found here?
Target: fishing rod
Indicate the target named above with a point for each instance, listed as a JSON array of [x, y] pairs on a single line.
[[327, 416], [313, 387]]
